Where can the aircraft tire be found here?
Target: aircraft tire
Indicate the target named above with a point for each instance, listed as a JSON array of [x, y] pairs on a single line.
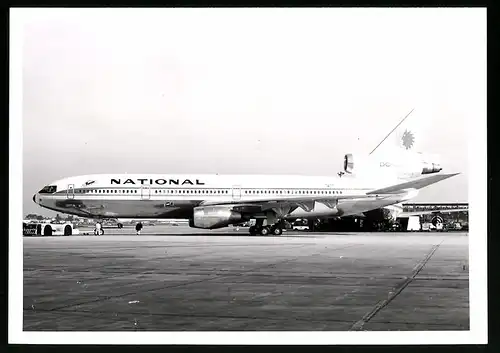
[[277, 231], [67, 230], [47, 231]]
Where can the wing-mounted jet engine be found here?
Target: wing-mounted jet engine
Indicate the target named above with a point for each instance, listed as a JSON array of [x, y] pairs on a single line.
[[212, 217]]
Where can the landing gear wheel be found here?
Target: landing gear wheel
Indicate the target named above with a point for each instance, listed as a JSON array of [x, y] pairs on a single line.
[[277, 231], [264, 231]]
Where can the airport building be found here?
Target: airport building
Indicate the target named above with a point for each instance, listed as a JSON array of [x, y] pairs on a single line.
[[450, 216]]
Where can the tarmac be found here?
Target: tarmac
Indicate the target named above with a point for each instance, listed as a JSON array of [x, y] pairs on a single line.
[[181, 279]]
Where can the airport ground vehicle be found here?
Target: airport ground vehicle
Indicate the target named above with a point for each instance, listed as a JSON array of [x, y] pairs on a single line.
[[413, 224], [44, 228]]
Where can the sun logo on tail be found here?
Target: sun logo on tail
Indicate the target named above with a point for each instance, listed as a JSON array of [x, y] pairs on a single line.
[[408, 139]]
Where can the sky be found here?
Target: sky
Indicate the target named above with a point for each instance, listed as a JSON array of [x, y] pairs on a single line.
[[245, 91]]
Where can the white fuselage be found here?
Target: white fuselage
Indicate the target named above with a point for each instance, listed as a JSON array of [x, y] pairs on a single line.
[[175, 196]]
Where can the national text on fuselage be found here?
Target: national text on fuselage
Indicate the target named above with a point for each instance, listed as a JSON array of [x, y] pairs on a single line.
[[157, 181]]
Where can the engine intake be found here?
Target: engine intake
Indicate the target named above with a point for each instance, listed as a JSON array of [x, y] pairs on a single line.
[[348, 163], [212, 217]]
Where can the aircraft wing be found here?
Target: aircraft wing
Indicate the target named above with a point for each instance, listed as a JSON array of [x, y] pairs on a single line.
[[413, 184], [259, 205], [291, 199]]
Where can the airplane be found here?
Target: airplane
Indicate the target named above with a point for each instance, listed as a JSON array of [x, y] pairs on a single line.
[[217, 201]]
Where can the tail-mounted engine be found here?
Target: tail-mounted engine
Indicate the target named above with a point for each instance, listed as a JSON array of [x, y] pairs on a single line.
[[348, 163]]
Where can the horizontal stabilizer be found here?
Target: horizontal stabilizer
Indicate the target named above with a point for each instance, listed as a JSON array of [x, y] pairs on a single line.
[[414, 184]]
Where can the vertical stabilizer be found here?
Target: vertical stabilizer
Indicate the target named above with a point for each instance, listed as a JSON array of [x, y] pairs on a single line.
[[407, 136]]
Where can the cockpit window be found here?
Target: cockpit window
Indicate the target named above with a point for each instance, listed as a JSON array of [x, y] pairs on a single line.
[[49, 189]]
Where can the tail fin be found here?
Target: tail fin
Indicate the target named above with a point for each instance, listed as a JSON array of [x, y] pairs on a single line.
[[406, 136], [399, 153]]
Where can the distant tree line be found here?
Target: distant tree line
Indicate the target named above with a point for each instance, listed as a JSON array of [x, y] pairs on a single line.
[[40, 218]]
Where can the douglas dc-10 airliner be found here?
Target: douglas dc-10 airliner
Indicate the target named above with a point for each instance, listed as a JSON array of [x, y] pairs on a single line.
[[216, 201]]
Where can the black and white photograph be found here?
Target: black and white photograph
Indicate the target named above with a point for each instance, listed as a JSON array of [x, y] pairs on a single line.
[[247, 176]]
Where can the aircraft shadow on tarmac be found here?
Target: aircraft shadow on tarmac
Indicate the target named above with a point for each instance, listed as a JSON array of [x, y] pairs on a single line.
[[229, 235], [182, 234]]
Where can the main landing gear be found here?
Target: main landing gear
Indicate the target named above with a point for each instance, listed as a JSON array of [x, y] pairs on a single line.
[[260, 229]]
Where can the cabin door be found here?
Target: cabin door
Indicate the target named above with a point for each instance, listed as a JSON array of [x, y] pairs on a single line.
[[236, 192], [70, 192], [145, 192]]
